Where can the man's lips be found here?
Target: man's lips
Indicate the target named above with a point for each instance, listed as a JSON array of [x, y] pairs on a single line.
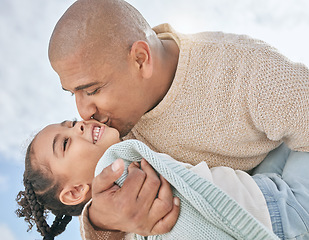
[[108, 122]]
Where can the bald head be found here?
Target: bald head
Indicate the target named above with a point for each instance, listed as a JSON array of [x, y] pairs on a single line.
[[90, 27]]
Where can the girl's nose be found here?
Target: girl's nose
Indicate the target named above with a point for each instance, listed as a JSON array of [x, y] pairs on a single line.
[[80, 127]]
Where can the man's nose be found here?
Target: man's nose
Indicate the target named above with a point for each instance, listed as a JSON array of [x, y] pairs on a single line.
[[86, 109], [101, 117]]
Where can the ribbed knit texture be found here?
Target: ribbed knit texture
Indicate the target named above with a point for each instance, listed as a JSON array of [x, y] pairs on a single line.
[[206, 211], [233, 99]]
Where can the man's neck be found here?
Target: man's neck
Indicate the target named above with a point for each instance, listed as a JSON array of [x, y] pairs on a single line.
[[166, 68]]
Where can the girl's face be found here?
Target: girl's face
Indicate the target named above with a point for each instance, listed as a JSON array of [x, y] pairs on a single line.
[[72, 149]]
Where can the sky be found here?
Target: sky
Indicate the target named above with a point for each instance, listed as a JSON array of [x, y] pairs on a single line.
[[30, 91]]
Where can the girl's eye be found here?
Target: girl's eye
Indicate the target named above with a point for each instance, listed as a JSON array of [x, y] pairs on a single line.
[[65, 143], [74, 122]]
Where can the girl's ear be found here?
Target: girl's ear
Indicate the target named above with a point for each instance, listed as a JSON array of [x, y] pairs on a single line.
[[141, 55], [73, 195]]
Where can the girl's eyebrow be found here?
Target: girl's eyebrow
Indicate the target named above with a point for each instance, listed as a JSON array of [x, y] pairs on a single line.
[[56, 138], [63, 123]]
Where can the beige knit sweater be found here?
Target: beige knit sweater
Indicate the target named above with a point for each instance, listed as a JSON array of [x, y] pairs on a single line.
[[232, 101]]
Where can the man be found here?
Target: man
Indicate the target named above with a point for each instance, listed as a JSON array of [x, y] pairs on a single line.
[[223, 98]]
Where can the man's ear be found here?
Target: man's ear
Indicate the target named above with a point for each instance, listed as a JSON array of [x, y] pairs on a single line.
[[141, 55], [73, 195]]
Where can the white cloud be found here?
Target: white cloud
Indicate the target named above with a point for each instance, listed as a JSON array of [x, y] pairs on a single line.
[[31, 95], [6, 232]]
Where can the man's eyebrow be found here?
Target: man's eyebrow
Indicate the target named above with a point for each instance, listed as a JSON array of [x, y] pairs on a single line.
[[81, 87], [56, 138]]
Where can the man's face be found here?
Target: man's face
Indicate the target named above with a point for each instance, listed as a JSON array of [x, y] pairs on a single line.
[[111, 94]]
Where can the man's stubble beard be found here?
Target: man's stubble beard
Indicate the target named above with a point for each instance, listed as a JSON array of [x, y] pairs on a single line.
[[128, 127]]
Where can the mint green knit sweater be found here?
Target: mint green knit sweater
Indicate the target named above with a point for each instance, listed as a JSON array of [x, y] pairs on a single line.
[[206, 211]]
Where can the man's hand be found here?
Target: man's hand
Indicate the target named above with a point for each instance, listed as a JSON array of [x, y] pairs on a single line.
[[143, 205]]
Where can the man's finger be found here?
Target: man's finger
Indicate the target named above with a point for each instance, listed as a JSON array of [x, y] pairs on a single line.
[[163, 204], [165, 192], [107, 177], [168, 222], [134, 181], [151, 185]]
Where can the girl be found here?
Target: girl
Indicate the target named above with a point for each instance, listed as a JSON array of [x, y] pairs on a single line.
[[62, 158], [49, 166]]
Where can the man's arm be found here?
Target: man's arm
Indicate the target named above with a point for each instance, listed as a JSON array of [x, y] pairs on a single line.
[[143, 205], [278, 99]]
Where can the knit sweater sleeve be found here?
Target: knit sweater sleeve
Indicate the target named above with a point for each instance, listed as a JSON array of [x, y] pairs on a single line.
[[88, 232], [279, 99]]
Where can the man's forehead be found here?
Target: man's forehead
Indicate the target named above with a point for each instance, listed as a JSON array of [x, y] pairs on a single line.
[[72, 74], [78, 79], [78, 73]]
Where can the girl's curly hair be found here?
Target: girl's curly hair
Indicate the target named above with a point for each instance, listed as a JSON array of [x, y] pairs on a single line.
[[40, 197]]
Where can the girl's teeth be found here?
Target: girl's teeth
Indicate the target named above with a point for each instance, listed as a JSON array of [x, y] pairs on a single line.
[[96, 131]]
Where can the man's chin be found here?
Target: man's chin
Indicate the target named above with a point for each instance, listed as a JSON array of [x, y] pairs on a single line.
[[125, 130]]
